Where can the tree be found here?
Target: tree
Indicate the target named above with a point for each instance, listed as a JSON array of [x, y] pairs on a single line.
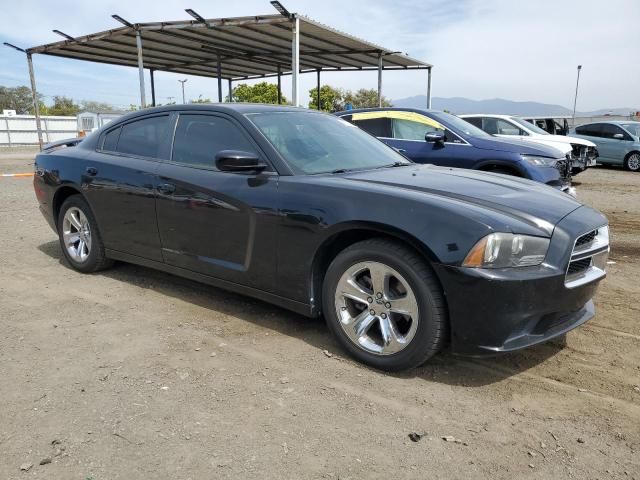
[[93, 106], [201, 100], [331, 99], [365, 98], [63, 106], [18, 99], [262, 92]]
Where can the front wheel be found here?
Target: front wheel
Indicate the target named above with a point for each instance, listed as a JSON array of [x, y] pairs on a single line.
[[385, 305], [632, 162]]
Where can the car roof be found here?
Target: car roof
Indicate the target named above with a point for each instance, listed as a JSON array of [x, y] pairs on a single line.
[[238, 108], [613, 122], [384, 109], [494, 115]]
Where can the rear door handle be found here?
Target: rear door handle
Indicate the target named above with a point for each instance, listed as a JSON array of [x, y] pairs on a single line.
[[166, 188], [93, 171]]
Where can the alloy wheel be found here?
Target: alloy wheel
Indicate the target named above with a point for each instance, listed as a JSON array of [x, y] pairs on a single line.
[[633, 162], [377, 308], [76, 234]]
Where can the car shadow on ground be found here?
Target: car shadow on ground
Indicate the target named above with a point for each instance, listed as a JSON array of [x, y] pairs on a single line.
[[443, 368]]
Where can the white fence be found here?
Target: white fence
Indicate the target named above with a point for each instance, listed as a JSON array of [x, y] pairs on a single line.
[[21, 129]]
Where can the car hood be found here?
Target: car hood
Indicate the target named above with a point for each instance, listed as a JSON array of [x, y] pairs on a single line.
[[514, 146], [567, 140], [537, 205]]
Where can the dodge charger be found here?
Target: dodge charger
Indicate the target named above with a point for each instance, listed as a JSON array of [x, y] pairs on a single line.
[[307, 211]]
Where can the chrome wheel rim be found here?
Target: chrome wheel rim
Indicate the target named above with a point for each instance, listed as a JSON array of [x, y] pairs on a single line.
[[634, 162], [76, 234], [376, 308]]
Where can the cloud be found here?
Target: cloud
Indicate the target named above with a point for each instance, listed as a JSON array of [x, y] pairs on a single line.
[[480, 48]]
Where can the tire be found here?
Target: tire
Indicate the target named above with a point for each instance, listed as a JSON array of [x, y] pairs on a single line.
[[79, 236], [632, 162], [409, 286]]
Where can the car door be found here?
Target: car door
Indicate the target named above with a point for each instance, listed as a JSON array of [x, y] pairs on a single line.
[[218, 223], [409, 138], [615, 143], [120, 182]]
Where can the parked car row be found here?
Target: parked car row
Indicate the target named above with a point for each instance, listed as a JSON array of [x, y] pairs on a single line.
[[307, 211], [583, 153]]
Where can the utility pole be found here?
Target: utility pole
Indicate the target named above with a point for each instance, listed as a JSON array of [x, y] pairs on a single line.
[[575, 98], [183, 82]]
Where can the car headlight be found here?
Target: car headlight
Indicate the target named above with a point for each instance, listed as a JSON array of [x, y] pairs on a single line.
[[500, 250], [539, 161]]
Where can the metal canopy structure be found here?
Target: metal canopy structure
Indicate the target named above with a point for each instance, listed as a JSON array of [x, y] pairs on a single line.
[[231, 49]]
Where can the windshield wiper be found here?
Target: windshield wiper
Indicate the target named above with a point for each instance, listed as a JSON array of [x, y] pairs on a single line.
[[396, 164]]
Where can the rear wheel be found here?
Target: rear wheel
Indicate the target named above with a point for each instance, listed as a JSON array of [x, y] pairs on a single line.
[[632, 162], [79, 236], [384, 304]]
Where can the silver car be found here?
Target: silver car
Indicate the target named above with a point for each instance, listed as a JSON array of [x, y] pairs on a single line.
[[618, 142]]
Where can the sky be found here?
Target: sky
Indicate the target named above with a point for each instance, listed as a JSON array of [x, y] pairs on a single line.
[[480, 49]]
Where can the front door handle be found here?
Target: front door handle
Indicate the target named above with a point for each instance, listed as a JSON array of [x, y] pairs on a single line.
[[166, 188], [92, 171]]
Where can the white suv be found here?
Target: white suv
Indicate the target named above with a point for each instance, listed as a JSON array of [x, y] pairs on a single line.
[[583, 153]]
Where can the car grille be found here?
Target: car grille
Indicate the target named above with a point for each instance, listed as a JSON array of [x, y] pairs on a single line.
[[588, 258], [564, 167]]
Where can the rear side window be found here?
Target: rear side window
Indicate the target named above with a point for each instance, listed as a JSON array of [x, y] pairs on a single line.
[[144, 137], [475, 121], [592, 130], [199, 137], [378, 127]]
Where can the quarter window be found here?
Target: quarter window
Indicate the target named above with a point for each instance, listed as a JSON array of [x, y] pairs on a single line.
[[110, 141], [200, 137], [144, 137]]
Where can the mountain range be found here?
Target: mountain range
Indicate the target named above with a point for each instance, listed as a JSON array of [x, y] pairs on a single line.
[[461, 105]]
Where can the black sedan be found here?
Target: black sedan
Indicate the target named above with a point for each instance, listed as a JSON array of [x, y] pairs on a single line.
[[309, 212]]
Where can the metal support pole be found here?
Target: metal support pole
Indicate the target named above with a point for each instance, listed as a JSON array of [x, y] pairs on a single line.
[[575, 99], [219, 74], [6, 120], [153, 87], [230, 90], [429, 88], [143, 100], [380, 79], [36, 103], [318, 90], [279, 86], [295, 62]]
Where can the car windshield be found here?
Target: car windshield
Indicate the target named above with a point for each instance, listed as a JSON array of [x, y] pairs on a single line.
[[632, 128], [529, 126], [458, 125], [317, 143]]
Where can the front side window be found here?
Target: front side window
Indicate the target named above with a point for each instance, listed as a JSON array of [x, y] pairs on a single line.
[[410, 130], [609, 130], [318, 143], [498, 126], [144, 137], [200, 137]]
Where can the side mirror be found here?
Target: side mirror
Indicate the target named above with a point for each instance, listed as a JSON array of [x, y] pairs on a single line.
[[618, 136], [435, 137], [237, 161]]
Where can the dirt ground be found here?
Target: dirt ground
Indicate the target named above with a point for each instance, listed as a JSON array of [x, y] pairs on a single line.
[[132, 373]]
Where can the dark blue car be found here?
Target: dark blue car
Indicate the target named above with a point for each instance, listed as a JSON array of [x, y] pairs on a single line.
[[428, 136]]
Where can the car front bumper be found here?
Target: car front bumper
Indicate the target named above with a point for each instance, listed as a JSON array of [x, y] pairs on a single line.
[[501, 310]]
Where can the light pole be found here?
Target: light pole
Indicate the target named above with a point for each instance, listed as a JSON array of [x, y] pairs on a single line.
[[575, 99], [183, 82]]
